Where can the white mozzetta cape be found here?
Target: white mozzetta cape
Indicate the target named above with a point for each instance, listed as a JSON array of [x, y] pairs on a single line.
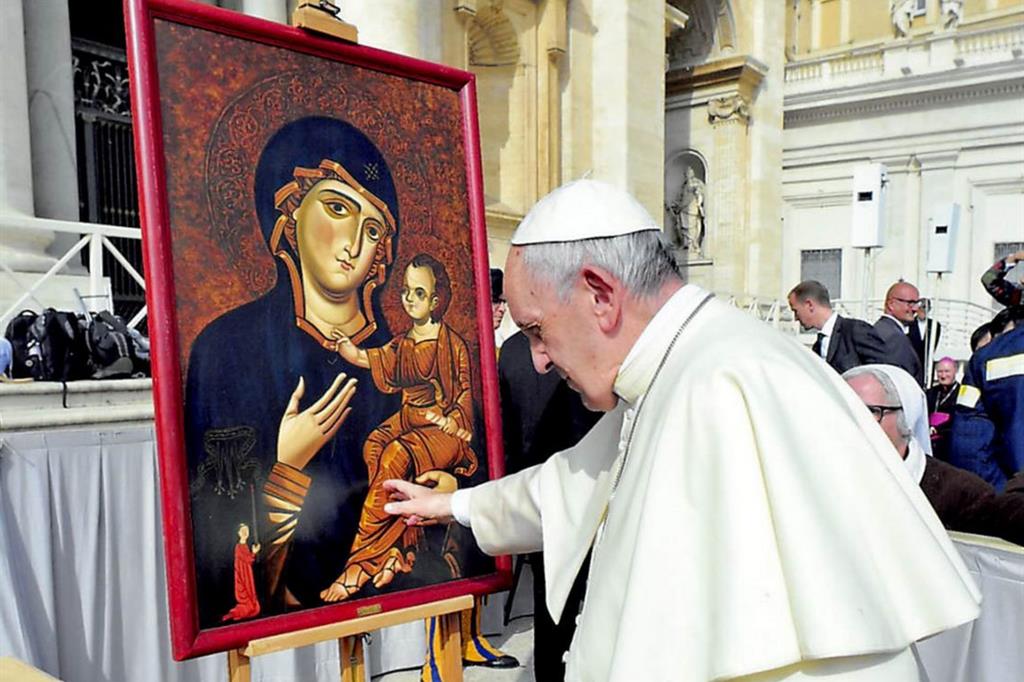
[[762, 518]]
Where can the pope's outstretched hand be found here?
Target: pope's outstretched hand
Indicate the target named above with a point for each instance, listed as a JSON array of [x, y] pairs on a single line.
[[420, 505]]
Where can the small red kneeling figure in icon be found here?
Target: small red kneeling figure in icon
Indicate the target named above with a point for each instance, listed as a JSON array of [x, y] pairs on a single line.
[[245, 587]]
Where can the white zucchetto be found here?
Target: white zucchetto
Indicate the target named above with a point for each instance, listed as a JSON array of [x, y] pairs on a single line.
[[583, 209]]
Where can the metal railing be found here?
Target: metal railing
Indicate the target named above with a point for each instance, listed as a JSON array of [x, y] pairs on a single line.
[[958, 318], [773, 311], [106, 162], [95, 240]]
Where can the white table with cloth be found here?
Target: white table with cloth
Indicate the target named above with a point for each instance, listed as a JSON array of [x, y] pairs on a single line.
[[83, 594], [83, 589]]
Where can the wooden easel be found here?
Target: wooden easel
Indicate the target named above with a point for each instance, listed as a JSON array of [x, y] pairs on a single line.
[[350, 640]]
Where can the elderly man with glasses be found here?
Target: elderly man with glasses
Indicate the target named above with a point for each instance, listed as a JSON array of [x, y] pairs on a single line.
[[962, 500], [901, 303]]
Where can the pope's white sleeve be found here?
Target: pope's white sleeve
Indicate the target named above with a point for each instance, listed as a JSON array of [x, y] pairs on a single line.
[[460, 506], [505, 514]]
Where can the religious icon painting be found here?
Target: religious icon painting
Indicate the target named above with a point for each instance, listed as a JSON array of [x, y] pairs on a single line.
[[318, 299]]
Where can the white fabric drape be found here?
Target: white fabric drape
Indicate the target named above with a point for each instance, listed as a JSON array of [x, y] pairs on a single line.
[[991, 649], [83, 595]]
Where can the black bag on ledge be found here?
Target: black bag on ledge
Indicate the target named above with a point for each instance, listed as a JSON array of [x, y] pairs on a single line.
[[63, 346], [23, 346], [48, 347], [111, 346]]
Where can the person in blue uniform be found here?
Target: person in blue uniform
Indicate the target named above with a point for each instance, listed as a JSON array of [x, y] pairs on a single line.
[[275, 418], [988, 425]]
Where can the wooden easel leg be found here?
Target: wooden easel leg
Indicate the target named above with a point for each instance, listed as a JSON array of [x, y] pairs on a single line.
[[451, 647], [353, 663], [238, 666]]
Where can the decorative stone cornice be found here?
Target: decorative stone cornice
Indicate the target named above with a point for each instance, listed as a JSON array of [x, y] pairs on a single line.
[[730, 108], [745, 73], [819, 199], [995, 186], [1000, 80], [465, 9]]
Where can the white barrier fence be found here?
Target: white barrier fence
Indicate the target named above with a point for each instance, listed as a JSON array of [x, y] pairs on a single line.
[[95, 237], [958, 318]]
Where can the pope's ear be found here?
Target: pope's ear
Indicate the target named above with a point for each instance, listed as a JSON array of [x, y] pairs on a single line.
[[604, 293]]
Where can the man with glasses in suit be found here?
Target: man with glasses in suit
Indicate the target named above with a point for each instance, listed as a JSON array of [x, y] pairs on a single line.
[[901, 303]]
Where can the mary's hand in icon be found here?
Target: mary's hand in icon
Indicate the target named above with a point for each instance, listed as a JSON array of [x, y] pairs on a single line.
[[302, 434]]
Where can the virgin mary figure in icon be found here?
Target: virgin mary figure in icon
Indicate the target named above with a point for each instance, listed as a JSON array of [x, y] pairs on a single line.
[[268, 397]]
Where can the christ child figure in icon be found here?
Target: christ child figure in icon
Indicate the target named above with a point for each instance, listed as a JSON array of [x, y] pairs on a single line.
[[430, 433]]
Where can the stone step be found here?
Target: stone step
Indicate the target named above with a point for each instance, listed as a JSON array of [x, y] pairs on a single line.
[[40, 404]]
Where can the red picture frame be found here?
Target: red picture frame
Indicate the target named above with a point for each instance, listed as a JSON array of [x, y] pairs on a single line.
[[166, 291]]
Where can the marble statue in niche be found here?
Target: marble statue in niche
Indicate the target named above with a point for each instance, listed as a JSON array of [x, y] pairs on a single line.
[[687, 213]]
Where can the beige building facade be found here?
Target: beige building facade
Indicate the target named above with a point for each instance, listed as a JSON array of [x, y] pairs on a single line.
[[566, 89], [739, 123], [933, 90], [773, 105], [723, 122]]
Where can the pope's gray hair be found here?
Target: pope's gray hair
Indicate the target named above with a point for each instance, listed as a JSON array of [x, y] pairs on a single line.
[[640, 260], [892, 396]]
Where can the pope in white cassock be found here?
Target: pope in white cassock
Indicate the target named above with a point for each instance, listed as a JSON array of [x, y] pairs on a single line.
[[747, 517]]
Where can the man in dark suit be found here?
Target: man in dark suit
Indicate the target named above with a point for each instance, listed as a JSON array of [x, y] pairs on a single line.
[[842, 342], [901, 302], [540, 416]]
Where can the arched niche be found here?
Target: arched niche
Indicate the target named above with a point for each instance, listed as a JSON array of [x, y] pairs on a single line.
[[492, 38], [676, 167], [710, 32]]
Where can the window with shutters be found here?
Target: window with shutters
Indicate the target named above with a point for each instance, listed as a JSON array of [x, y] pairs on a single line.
[[825, 266], [1004, 249]]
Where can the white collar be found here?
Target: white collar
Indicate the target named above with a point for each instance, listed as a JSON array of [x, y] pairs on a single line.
[[637, 370], [915, 461], [830, 324], [902, 325]]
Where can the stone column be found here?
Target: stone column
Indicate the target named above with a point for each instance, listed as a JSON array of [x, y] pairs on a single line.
[[456, 44], [815, 24], [552, 42], [20, 250], [395, 25], [274, 10], [727, 241], [628, 97], [764, 218], [912, 225], [51, 111]]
